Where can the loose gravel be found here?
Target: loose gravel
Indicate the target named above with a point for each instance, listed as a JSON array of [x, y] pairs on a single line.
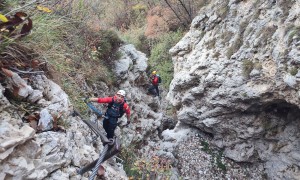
[[198, 160]]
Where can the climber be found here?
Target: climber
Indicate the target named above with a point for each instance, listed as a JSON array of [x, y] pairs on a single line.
[[116, 109], [155, 80]]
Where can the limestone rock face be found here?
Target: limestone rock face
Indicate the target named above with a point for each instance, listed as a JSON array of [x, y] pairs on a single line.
[[236, 76], [146, 110], [58, 155]]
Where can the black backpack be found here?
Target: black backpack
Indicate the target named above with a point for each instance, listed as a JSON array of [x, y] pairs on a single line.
[[159, 78], [121, 109]]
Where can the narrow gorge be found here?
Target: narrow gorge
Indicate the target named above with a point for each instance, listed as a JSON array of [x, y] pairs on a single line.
[[232, 110]]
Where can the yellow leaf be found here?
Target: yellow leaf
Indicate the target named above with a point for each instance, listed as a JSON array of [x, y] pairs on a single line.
[[45, 9], [39, 8], [3, 18]]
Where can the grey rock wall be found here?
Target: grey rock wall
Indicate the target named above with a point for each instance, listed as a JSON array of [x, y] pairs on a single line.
[[58, 155], [237, 77]]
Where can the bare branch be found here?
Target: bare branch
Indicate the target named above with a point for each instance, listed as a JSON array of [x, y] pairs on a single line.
[[176, 14], [27, 72], [185, 8]]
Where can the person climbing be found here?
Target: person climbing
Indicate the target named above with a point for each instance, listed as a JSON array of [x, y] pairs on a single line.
[[116, 109], [155, 81]]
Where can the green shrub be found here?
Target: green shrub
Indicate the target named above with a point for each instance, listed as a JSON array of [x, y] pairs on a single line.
[[138, 15], [65, 123], [67, 47], [7, 5], [160, 59], [134, 36], [129, 156], [219, 162], [138, 167], [148, 168], [108, 44], [205, 147], [294, 71]]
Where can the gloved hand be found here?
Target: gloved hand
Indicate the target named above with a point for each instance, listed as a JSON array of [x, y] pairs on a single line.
[[127, 124]]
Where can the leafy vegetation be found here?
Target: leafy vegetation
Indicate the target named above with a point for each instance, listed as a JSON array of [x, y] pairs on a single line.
[[247, 68], [129, 156], [294, 71], [294, 32], [160, 59], [153, 167], [216, 156], [9, 28], [107, 46], [63, 47]]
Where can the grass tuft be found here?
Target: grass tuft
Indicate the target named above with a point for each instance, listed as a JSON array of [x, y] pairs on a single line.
[[248, 66], [73, 53]]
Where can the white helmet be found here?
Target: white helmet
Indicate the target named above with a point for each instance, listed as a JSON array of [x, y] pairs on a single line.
[[121, 92]]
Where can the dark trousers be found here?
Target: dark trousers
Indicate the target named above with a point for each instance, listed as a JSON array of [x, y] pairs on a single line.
[[154, 90], [109, 126]]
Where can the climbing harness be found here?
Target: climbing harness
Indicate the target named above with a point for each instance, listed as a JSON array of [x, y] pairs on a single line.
[[111, 146]]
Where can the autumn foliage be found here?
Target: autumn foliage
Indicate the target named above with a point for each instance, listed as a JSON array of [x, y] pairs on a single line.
[[154, 168], [160, 20], [8, 25]]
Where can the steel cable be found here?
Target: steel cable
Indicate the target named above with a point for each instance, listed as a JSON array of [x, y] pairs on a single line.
[[94, 173]]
